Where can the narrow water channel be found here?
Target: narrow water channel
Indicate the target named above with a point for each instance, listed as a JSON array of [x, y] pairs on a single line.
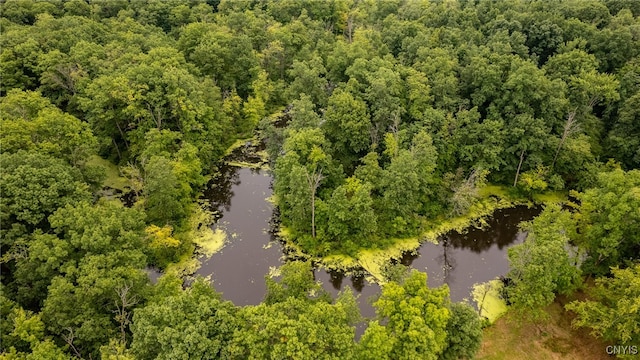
[[238, 270]]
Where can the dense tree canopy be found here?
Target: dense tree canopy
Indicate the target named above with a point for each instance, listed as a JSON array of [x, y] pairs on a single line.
[[378, 116]]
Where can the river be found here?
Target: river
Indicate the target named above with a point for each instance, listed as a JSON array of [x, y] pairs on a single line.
[[240, 195]]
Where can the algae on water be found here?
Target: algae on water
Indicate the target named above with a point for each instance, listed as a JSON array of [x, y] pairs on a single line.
[[487, 297]]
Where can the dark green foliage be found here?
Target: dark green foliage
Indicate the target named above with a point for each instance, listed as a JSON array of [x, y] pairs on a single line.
[[464, 333], [415, 319], [378, 117], [298, 320], [545, 264], [296, 282], [192, 323], [608, 221], [34, 185]]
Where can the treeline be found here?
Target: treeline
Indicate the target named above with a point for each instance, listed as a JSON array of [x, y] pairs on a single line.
[[403, 113], [394, 112], [596, 237]]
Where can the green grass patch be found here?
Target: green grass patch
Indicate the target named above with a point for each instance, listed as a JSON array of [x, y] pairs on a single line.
[[551, 197], [113, 180]]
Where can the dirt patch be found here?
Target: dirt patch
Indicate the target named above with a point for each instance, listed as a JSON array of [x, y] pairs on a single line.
[[511, 337]]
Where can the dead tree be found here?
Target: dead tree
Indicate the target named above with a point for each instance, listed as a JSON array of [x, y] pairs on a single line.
[[123, 303], [313, 180], [570, 127]]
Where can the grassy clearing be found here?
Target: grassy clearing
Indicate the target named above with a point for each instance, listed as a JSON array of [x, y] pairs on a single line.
[[511, 337], [114, 180]]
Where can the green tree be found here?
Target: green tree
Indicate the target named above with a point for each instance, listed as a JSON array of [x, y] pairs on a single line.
[[347, 125], [34, 185], [352, 219], [415, 318], [296, 281], [191, 323], [608, 221], [31, 123], [545, 264], [298, 320], [612, 312], [464, 333], [166, 202]]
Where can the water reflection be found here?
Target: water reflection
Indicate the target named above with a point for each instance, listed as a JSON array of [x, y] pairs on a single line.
[[461, 260], [220, 189], [238, 271]]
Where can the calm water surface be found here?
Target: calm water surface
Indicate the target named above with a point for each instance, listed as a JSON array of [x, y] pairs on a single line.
[[238, 271]]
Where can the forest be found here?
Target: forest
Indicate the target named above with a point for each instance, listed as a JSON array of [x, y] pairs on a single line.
[[379, 119]]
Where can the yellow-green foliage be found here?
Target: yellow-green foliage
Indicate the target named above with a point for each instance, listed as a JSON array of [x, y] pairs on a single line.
[[487, 296], [551, 197], [161, 237], [374, 260], [244, 164], [203, 240], [113, 180]]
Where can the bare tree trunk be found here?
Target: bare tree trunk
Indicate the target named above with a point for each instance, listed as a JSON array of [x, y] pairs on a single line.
[[569, 128], [124, 138], [117, 148], [350, 29], [313, 180], [519, 166], [124, 302], [69, 340]]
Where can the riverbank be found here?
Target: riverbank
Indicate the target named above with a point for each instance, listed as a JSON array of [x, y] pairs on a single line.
[[373, 261]]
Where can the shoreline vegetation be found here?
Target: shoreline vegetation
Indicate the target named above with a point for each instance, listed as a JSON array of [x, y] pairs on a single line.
[[204, 241], [492, 198]]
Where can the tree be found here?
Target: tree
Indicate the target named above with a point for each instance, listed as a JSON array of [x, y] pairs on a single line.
[[191, 323], [226, 56], [34, 185], [74, 273], [300, 173], [347, 125], [611, 312], [608, 221], [296, 281], [308, 78], [416, 320], [303, 114], [352, 218], [544, 264], [464, 333], [30, 122], [166, 202], [297, 321], [23, 335]]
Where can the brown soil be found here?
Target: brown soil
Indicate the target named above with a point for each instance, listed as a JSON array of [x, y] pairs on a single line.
[[511, 337]]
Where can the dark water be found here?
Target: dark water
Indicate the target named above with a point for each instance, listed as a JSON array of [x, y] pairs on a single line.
[[477, 256], [238, 271]]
